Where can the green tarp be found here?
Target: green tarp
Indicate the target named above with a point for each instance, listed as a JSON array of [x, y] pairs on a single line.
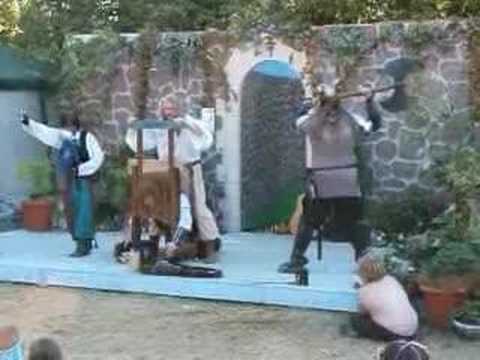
[[19, 73]]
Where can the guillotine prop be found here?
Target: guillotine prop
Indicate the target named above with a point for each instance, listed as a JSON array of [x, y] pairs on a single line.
[[155, 193]]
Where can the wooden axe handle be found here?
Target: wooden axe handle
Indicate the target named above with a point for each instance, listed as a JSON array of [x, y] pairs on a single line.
[[362, 93]]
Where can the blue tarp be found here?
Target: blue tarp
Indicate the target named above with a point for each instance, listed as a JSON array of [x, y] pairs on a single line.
[[276, 68]]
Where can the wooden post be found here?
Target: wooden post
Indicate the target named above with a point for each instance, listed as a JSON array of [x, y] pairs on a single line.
[[137, 173]]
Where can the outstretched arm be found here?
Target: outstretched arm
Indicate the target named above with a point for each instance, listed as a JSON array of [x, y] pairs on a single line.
[[50, 136]]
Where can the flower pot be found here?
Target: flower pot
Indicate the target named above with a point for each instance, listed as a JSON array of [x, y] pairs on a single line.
[[440, 304], [37, 214], [10, 347], [469, 329]]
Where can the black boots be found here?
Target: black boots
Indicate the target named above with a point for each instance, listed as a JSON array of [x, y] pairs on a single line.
[[83, 248], [300, 245]]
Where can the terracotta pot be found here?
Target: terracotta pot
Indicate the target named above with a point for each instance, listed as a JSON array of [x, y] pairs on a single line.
[[10, 347], [37, 214], [441, 303]]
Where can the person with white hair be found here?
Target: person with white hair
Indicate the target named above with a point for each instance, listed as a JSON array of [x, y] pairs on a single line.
[[190, 141], [332, 190]]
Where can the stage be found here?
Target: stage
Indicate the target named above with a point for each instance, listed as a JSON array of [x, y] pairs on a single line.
[[248, 260]]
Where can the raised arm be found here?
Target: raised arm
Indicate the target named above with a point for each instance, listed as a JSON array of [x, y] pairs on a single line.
[[372, 122], [307, 120], [49, 136], [96, 157], [373, 114], [203, 137]]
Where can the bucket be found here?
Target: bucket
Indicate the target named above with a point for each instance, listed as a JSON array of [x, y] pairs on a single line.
[[10, 347]]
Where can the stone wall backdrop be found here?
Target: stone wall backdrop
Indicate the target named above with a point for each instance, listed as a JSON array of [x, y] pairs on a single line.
[[176, 71], [431, 59]]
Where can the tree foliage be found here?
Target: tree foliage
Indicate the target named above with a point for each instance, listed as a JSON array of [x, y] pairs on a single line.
[[9, 16]]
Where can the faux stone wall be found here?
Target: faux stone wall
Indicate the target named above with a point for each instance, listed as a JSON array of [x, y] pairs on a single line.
[[437, 118], [180, 78]]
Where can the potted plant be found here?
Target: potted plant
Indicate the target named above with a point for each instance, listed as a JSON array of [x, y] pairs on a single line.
[[445, 279], [38, 209], [452, 255], [466, 321]]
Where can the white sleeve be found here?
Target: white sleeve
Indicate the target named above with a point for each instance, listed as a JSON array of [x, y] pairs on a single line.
[[185, 220], [50, 136], [305, 121], [150, 139], [361, 121], [96, 157], [203, 137]]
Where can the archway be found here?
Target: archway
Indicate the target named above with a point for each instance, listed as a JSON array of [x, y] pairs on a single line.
[[271, 149], [241, 62]]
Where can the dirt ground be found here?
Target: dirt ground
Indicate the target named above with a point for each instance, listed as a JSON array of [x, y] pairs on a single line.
[[113, 326]]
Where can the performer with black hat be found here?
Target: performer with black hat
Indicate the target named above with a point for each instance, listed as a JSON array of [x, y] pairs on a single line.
[[79, 158]]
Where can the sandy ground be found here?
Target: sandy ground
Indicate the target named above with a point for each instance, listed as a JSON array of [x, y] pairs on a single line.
[[113, 326]]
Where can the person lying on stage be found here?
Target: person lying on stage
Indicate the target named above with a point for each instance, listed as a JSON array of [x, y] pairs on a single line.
[[80, 157], [182, 246], [190, 142]]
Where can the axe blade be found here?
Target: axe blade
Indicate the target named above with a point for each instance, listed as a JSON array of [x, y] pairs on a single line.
[[399, 69]]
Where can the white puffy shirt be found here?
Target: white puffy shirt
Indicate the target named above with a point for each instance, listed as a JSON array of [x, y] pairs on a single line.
[[54, 137], [190, 142]]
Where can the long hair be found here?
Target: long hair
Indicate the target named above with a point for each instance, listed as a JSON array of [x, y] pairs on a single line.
[[404, 350]]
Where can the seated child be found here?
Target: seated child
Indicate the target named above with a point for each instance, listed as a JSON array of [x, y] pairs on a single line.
[[385, 310], [403, 350]]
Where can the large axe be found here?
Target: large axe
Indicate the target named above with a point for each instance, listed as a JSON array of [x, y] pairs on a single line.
[[398, 69]]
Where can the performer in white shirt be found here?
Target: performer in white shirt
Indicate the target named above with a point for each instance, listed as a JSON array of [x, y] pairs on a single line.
[[190, 142], [80, 157]]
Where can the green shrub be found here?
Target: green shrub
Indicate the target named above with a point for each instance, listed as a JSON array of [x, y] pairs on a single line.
[[38, 173], [111, 193], [403, 214]]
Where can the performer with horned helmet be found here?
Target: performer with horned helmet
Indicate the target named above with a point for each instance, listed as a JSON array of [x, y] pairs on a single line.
[[332, 190]]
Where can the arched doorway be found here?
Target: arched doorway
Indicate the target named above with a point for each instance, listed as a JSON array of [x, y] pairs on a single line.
[[272, 152]]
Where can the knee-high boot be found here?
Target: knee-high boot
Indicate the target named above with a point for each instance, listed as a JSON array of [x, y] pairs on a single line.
[[300, 245]]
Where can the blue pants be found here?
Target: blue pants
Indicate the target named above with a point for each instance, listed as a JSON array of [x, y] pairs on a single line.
[[82, 201]]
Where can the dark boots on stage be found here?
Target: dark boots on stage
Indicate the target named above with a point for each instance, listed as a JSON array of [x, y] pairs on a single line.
[[359, 236], [83, 248], [300, 245]]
